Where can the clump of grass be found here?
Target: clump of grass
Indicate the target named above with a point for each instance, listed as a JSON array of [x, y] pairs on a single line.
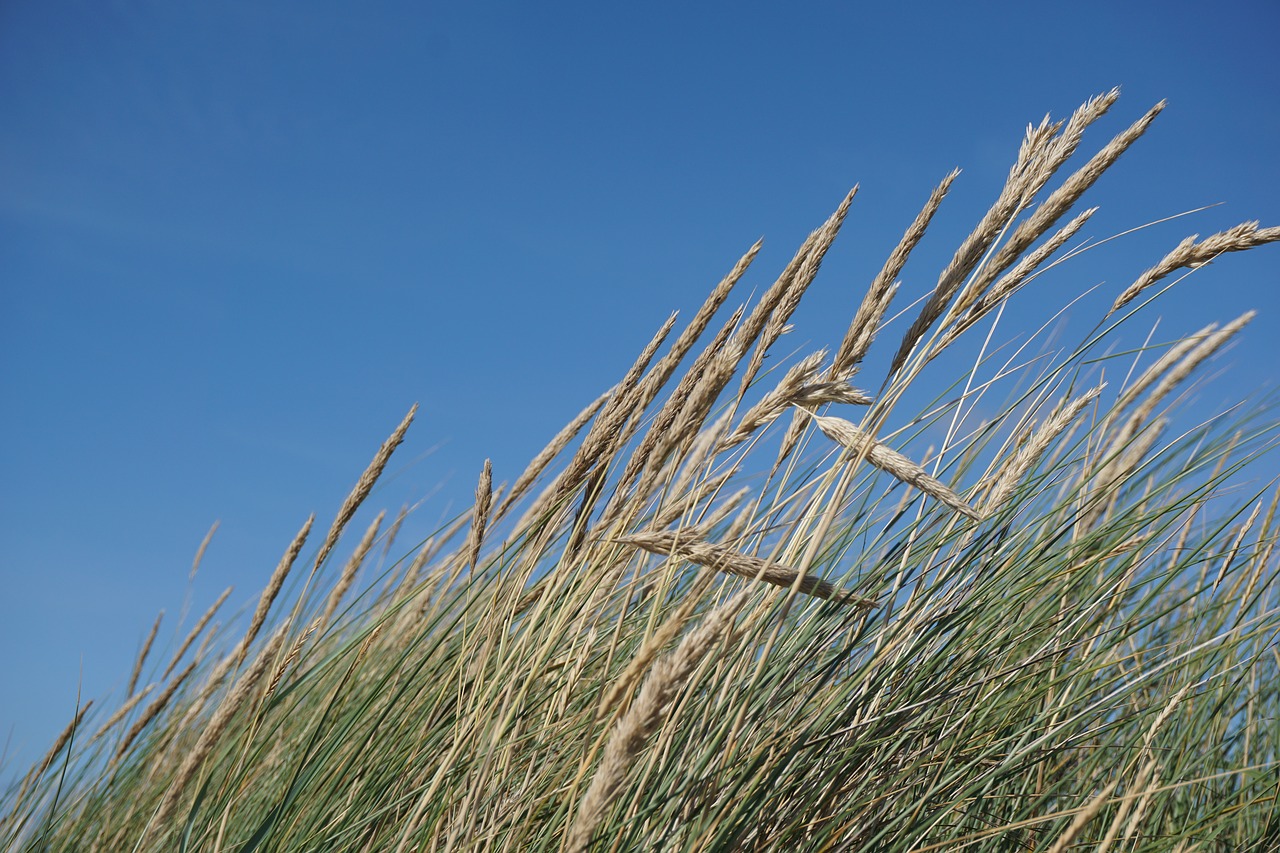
[[738, 609]]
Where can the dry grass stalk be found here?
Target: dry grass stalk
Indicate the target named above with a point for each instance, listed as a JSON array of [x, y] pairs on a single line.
[[394, 530], [1158, 368], [52, 754], [602, 439], [662, 372], [791, 438], [665, 367], [142, 655], [45, 763], [429, 551], [1040, 157], [152, 710], [891, 462], [1235, 546], [272, 589], [792, 291], [348, 576], [553, 449], [724, 559], [1190, 254], [410, 580], [1018, 466], [796, 389], [122, 711], [1148, 781], [1060, 200], [213, 682], [204, 544], [364, 485], [1118, 821], [693, 394], [862, 330], [682, 505], [835, 391], [644, 656], [195, 632], [480, 515], [1122, 461], [1013, 279], [1022, 178], [1184, 368], [213, 730], [1086, 814], [693, 462], [294, 651], [776, 401], [644, 717]]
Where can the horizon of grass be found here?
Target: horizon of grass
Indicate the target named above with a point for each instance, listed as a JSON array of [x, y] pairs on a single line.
[[738, 608]]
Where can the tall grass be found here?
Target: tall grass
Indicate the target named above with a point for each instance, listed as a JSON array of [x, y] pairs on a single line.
[[731, 608]]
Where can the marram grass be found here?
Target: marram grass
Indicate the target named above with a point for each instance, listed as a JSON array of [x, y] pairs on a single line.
[[731, 608]]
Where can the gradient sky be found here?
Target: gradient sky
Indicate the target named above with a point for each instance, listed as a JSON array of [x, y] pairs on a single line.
[[239, 239]]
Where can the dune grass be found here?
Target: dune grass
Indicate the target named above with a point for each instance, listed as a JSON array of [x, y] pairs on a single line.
[[731, 608]]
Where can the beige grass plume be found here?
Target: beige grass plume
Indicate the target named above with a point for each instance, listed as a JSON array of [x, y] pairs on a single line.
[[349, 570], [865, 324], [645, 716], [195, 632], [213, 730], [364, 485], [1190, 254], [891, 462], [480, 515], [725, 559]]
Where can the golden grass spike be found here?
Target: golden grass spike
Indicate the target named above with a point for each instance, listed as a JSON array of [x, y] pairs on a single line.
[[862, 330], [195, 632], [204, 544], [1190, 254], [601, 440], [394, 529], [213, 731], [152, 710], [1024, 173], [1157, 369], [725, 559], [1086, 814], [645, 716], [553, 449], [1018, 466], [792, 291], [1013, 279], [272, 589], [666, 632], [62, 739], [480, 515], [1184, 368], [666, 366], [669, 427], [122, 711], [142, 655], [776, 401], [891, 462], [364, 485], [1060, 200], [294, 651], [348, 576]]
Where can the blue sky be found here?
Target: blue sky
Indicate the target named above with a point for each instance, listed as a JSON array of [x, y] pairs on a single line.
[[238, 240]]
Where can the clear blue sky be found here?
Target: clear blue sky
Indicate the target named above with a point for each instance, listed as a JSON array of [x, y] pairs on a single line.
[[239, 239]]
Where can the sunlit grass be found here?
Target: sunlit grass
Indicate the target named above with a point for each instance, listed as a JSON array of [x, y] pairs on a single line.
[[732, 608]]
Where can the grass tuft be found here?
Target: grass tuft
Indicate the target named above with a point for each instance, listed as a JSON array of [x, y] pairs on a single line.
[[882, 623]]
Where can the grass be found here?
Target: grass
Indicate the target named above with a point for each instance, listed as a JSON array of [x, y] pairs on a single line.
[[737, 609]]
